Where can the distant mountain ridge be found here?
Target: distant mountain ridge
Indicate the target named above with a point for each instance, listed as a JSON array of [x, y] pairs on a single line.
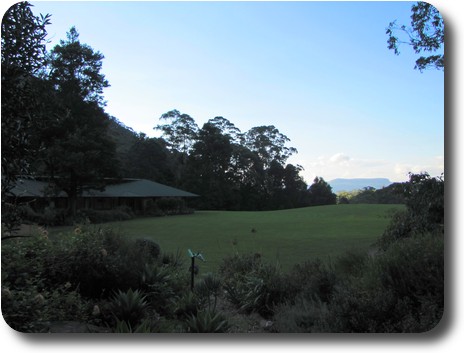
[[341, 184]]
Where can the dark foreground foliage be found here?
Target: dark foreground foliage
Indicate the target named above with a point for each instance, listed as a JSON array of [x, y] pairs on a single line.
[[112, 283], [400, 290], [87, 279]]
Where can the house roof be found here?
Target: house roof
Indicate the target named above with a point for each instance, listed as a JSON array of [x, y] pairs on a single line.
[[126, 188], [138, 188]]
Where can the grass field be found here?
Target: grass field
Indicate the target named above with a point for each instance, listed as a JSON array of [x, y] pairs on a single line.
[[288, 236]]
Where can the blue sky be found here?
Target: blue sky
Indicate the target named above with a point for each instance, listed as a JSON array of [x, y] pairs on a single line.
[[318, 71]]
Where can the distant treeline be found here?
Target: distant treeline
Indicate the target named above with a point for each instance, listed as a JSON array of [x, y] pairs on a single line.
[[392, 194], [230, 170]]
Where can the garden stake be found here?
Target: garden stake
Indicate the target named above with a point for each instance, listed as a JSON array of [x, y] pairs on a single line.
[[192, 268], [192, 273]]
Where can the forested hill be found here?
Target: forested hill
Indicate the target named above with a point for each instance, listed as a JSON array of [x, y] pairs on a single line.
[[139, 156], [123, 136]]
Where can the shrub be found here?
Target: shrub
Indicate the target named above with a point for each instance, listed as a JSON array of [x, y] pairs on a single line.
[[171, 206], [148, 247], [238, 265], [207, 322], [351, 263], [49, 216], [164, 285], [26, 308], [208, 290], [402, 225], [144, 326], [23, 260], [122, 213], [99, 261], [96, 261], [425, 211], [252, 285], [305, 315], [414, 268], [400, 290], [187, 305], [172, 259], [129, 306], [315, 279]]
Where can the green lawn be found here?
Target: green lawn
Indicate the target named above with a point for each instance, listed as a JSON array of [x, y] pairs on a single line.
[[288, 236]]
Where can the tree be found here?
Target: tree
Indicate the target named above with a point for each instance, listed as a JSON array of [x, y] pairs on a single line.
[[425, 198], [75, 69], [426, 34], [247, 171], [227, 128], [77, 153], [149, 158], [320, 193], [180, 134], [425, 210], [23, 58], [295, 187], [269, 144], [208, 170], [181, 131]]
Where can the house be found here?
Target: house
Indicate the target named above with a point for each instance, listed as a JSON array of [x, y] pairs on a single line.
[[137, 194]]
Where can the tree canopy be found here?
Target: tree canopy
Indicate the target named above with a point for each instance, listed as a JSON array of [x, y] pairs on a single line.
[[426, 34], [78, 152], [75, 69], [23, 58]]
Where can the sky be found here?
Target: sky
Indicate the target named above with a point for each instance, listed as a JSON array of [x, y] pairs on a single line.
[[320, 72]]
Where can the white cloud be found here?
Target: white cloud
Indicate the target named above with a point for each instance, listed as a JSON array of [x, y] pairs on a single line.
[[340, 158], [434, 166]]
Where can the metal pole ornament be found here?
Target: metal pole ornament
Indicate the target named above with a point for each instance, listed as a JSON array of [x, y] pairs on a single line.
[[192, 268]]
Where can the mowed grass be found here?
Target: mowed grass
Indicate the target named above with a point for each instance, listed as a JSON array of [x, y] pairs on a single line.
[[287, 237]]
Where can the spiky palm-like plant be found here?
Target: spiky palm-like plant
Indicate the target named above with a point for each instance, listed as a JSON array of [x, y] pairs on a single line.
[[129, 306]]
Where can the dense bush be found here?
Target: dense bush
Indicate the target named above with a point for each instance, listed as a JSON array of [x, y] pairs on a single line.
[[252, 285], [25, 308], [148, 247], [401, 226], [208, 290], [48, 217], [207, 322], [237, 265], [130, 306], [425, 210], [98, 261], [304, 315], [164, 285], [89, 215], [172, 206], [400, 290], [313, 279], [75, 275], [351, 264]]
